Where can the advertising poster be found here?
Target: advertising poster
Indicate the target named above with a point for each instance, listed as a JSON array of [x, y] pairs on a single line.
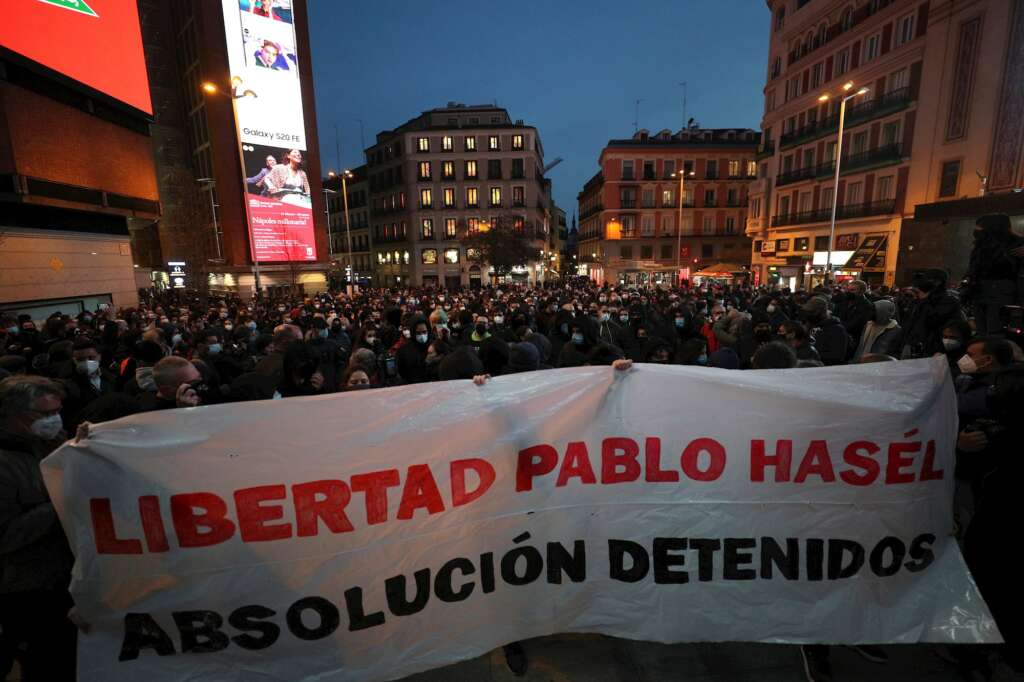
[[94, 42], [264, 65]]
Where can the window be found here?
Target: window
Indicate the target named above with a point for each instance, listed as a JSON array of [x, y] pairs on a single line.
[[627, 170], [842, 62], [495, 196], [732, 197], [808, 158], [424, 169], [666, 251], [626, 251], [423, 144], [905, 30], [871, 46], [666, 224], [405, 256], [884, 188], [473, 225], [776, 70], [471, 197], [669, 167], [730, 225], [471, 169], [450, 228], [891, 133], [517, 142], [427, 229], [780, 19], [627, 198], [784, 205], [448, 170], [667, 198], [950, 178], [769, 101], [897, 80], [854, 193], [826, 197], [707, 250], [751, 169], [734, 169], [646, 251], [648, 170], [709, 197], [447, 143], [470, 143], [830, 151], [519, 224], [451, 256], [817, 74], [517, 169], [709, 223], [688, 167], [648, 198], [805, 202], [494, 143], [426, 198], [801, 244], [755, 208], [628, 223], [494, 169], [518, 196], [711, 169], [647, 225], [860, 143], [781, 245], [429, 257], [449, 197], [847, 21], [688, 200]]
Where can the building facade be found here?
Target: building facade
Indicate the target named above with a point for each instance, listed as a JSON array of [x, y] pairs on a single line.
[[447, 173], [358, 225], [630, 230], [924, 130]]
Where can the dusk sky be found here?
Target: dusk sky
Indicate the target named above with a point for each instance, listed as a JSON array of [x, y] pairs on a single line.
[[572, 68]]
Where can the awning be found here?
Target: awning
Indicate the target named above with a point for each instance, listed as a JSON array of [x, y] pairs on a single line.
[[720, 270]]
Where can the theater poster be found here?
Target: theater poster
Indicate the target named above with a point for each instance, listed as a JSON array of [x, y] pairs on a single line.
[[267, 93]]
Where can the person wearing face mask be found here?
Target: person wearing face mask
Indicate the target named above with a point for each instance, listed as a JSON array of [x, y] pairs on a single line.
[[955, 336], [88, 383], [933, 308], [412, 356], [979, 365], [35, 560], [609, 330], [882, 335], [355, 379], [332, 355], [582, 339], [480, 332], [500, 327]]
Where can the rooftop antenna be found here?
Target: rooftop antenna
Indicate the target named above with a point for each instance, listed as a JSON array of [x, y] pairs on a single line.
[[636, 117], [684, 102]]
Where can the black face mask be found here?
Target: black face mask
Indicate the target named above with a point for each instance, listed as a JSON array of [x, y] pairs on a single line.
[[763, 336], [481, 329]]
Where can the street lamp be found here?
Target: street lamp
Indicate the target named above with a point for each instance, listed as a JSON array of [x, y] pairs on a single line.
[[211, 89], [839, 157], [345, 176], [679, 227]]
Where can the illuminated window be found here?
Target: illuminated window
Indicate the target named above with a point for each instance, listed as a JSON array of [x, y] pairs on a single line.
[[473, 225], [471, 169], [427, 229], [423, 144], [667, 198], [471, 197], [449, 197], [734, 169], [451, 256], [517, 142], [472, 255], [519, 224], [751, 169], [470, 143], [406, 256], [518, 196], [429, 257], [450, 227], [424, 170], [448, 170], [493, 143], [426, 198], [447, 142], [401, 199], [387, 258], [495, 196], [380, 258]]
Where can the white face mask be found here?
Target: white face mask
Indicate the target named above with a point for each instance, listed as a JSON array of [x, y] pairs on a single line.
[[88, 367], [407, 333], [498, 319], [771, 308], [950, 344], [967, 365], [47, 428]]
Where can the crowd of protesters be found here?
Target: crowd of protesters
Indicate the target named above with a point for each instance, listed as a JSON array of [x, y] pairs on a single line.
[[179, 350]]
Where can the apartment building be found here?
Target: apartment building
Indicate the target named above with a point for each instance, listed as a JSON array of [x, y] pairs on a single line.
[[356, 226], [632, 229]]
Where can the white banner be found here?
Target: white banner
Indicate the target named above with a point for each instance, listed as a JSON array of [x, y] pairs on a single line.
[[372, 535]]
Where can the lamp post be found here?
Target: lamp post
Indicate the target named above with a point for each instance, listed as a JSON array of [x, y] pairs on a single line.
[[839, 158], [327, 204], [679, 226], [209, 184], [345, 175], [211, 89]]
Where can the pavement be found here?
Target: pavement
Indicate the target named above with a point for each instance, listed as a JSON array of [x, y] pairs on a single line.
[[595, 658]]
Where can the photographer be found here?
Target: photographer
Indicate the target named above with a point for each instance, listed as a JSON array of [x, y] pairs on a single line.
[[994, 270]]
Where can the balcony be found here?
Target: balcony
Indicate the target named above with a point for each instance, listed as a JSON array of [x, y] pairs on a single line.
[[711, 175], [649, 176], [767, 149], [628, 175], [823, 215], [874, 158], [594, 210], [888, 103], [628, 203], [835, 30]]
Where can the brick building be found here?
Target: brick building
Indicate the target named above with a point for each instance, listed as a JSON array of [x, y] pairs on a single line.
[[446, 173], [629, 210]]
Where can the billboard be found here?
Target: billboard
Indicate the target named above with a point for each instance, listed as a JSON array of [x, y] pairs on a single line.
[[96, 43], [264, 62]]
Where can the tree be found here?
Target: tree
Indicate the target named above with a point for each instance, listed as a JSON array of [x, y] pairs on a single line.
[[501, 246]]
